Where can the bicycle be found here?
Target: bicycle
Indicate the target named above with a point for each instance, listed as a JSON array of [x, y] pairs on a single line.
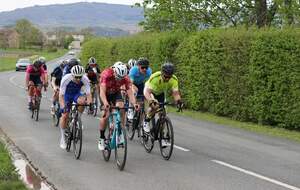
[[115, 138], [94, 109], [161, 130], [136, 124], [74, 130], [36, 101], [57, 114]]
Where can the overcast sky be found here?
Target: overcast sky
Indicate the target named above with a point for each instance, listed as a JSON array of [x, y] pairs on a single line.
[[8, 5]]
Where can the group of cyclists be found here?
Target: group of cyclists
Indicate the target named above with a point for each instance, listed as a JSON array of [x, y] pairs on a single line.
[[72, 83]]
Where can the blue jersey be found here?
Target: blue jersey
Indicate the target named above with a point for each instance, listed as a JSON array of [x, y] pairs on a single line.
[[69, 88], [67, 70], [137, 77]]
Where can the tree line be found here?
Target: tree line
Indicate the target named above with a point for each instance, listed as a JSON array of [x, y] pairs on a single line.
[[192, 15]]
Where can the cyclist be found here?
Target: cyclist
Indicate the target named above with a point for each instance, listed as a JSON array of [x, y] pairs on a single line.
[[93, 72], [35, 76], [55, 79], [111, 81], [160, 83], [138, 75], [71, 63], [70, 91], [131, 63]]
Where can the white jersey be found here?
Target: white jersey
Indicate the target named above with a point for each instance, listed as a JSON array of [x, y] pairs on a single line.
[[69, 87]]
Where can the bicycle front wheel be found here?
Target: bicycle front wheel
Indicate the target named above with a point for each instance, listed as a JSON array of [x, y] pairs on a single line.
[[95, 104], [148, 138], [107, 151], [77, 138], [121, 148], [166, 138]]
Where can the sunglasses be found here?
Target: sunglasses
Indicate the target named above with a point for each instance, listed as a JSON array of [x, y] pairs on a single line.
[[78, 78], [144, 67], [167, 76]]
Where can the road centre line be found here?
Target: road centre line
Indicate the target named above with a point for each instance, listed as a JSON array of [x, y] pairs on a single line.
[[256, 175]]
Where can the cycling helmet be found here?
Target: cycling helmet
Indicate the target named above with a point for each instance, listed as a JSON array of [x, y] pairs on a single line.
[[118, 63], [77, 71], [131, 62], [143, 62], [42, 60], [92, 61], [120, 70], [73, 62], [37, 63], [168, 68]]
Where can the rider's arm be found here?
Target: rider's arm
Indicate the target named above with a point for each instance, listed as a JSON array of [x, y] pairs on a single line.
[[148, 93], [53, 78], [27, 77], [103, 94], [175, 90], [63, 86]]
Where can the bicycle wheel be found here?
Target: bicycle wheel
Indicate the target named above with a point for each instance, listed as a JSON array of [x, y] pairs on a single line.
[[69, 136], [148, 138], [166, 138], [56, 116], [121, 148], [95, 106], [131, 126], [107, 151], [37, 109], [77, 138]]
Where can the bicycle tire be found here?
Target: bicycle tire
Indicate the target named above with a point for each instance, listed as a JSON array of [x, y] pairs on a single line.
[[121, 147], [77, 137], [95, 104], [107, 151], [167, 136], [148, 140], [69, 138]]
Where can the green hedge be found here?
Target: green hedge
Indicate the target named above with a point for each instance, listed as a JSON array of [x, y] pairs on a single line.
[[248, 75]]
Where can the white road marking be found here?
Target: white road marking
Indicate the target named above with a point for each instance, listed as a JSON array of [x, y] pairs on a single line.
[[181, 148], [256, 175]]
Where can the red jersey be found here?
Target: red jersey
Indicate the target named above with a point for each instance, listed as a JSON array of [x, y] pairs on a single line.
[[33, 73], [112, 85]]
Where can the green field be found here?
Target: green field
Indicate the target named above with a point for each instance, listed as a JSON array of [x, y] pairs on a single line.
[[9, 62], [262, 129], [9, 179]]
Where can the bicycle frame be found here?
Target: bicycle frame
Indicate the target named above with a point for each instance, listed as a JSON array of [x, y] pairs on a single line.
[[115, 121]]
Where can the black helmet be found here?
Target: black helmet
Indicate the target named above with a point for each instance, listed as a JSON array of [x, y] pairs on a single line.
[[73, 62], [168, 68], [37, 63], [143, 62]]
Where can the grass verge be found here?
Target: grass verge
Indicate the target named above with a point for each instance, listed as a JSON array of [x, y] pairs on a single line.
[[9, 178], [9, 62], [262, 129]]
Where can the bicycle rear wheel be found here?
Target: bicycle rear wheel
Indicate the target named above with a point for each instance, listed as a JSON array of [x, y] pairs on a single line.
[[56, 116], [95, 106], [121, 148], [77, 138], [107, 151], [166, 138], [131, 125], [147, 138], [68, 136]]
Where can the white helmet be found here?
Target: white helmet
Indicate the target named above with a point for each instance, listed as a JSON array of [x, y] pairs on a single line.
[[132, 62], [117, 64], [77, 71], [120, 70]]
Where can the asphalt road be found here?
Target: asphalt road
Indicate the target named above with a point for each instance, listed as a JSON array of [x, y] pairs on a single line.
[[207, 156]]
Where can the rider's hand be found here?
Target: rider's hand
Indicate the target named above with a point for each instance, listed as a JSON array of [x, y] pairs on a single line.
[[106, 106]]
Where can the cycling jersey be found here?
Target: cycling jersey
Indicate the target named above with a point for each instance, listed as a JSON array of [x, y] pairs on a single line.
[[112, 85], [70, 88], [137, 77], [159, 86], [57, 73], [67, 70], [34, 75], [92, 75]]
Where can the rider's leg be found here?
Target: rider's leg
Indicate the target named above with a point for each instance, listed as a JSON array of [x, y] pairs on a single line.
[[30, 92], [63, 122]]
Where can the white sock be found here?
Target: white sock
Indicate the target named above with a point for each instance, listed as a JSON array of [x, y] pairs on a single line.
[[62, 133]]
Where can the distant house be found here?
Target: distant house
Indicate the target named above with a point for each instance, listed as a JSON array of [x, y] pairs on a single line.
[[78, 37], [9, 38]]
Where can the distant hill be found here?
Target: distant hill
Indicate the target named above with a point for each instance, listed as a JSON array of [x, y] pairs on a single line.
[[79, 15]]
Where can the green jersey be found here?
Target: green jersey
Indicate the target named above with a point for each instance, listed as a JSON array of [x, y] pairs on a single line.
[[159, 86]]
